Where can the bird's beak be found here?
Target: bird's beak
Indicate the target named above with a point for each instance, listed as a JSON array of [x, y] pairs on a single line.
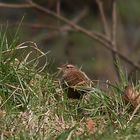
[[59, 68]]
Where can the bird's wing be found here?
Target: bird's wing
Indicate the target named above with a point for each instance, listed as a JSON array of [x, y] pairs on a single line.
[[76, 77]]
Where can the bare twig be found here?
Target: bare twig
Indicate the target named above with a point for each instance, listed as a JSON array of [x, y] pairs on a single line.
[[5, 5], [113, 37], [58, 7], [114, 23], [93, 35], [35, 25], [103, 18]]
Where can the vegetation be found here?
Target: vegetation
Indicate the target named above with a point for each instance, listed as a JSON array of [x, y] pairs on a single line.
[[34, 106]]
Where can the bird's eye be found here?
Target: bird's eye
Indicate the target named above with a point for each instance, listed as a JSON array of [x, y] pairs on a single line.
[[69, 66]]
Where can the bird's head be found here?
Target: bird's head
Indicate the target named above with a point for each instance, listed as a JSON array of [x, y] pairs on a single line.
[[66, 67]]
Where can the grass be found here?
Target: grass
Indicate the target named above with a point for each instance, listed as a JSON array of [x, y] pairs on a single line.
[[34, 106]]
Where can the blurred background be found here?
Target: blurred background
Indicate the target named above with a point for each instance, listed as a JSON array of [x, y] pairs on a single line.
[[68, 46]]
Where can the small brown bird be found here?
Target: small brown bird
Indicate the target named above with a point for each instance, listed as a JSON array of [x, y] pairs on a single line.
[[74, 81]]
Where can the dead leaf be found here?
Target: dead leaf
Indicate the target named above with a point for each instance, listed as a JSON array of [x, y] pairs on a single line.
[[2, 113], [131, 95], [90, 124]]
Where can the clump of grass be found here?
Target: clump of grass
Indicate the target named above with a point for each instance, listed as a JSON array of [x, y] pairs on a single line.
[[33, 105]]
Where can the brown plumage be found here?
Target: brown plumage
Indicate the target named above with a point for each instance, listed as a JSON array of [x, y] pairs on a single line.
[[72, 79]]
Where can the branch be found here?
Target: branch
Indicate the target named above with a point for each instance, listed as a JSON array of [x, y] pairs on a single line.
[[58, 7], [114, 23], [103, 17], [5, 5], [35, 25], [113, 36]]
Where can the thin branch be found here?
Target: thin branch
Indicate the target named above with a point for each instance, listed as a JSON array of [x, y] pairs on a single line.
[[6, 5], [113, 37], [35, 25], [58, 11], [58, 7], [114, 23], [103, 17]]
